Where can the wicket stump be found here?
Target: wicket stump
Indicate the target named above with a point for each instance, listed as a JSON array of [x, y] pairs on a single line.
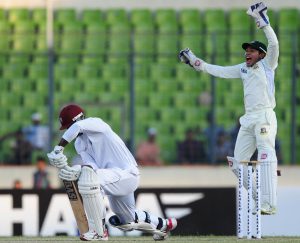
[[250, 165]]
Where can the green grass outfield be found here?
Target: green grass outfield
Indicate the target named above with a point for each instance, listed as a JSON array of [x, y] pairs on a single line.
[[181, 239]]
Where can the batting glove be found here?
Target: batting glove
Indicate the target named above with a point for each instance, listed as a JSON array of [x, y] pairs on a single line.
[[259, 12], [188, 57], [70, 173], [57, 158]]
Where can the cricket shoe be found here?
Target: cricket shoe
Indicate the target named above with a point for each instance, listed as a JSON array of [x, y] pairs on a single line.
[[163, 233], [92, 235], [267, 209]]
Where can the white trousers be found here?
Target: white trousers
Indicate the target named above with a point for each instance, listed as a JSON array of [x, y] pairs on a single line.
[[258, 130], [119, 186]]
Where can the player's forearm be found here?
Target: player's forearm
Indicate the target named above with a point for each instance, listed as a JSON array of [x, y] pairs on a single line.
[[71, 133], [273, 47], [271, 36], [63, 143]]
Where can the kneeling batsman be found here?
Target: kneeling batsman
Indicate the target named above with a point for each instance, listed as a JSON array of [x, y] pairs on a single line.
[[93, 201]]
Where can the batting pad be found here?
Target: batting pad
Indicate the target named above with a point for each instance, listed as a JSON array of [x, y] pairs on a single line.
[[89, 188]]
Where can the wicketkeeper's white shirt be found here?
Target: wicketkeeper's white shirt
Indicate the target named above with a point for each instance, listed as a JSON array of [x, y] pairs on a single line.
[[99, 146], [258, 80]]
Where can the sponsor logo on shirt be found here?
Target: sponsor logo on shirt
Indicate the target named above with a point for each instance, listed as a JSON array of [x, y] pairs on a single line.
[[94, 188], [243, 70]]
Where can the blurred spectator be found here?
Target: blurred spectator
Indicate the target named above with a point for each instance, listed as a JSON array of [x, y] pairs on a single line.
[[211, 135], [148, 152], [204, 98], [37, 134], [190, 150], [6, 153], [199, 134], [223, 148], [17, 184], [21, 150], [40, 176]]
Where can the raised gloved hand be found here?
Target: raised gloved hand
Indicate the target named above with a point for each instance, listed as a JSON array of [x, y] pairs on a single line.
[[183, 56], [259, 12], [70, 173], [188, 57], [57, 158]]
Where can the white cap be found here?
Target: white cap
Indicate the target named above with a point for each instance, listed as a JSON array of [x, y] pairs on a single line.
[[152, 131], [36, 116]]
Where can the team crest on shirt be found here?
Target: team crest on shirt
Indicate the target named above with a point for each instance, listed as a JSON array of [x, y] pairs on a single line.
[[263, 131], [255, 66]]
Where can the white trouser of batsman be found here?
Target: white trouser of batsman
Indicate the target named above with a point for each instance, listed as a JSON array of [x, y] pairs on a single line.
[[89, 188]]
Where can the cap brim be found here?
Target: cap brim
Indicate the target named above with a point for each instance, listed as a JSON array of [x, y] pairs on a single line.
[[245, 45]]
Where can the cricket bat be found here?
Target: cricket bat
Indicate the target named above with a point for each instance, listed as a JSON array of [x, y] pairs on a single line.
[[77, 206]]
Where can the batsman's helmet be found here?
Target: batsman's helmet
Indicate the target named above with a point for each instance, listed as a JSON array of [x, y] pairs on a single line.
[[70, 114]]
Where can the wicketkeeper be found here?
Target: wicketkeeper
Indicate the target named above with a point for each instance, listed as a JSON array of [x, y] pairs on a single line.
[[108, 168], [258, 124]]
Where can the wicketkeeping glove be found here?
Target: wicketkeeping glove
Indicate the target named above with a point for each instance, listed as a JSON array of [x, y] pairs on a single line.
[[188, 57], [183, 58], [259, 12], [57, 158], [70, 173]]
